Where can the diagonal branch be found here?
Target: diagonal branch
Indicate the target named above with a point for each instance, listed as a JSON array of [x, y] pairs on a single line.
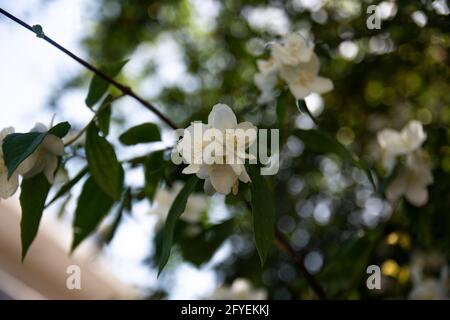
[[284, 244], [121, 87]]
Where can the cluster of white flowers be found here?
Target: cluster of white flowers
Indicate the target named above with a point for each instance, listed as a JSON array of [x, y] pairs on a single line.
[[428, 288], [164, 197], [415, 175], [43, 159], [240, 289], [294, 60], [214, 151]]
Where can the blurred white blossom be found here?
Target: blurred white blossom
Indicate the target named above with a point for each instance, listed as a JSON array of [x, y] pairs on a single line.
[[7, 186], [294, 60], [412, 181], [220, 174], [415, 174], [164, 197], [240, 289], [428, 288], [409, 139]]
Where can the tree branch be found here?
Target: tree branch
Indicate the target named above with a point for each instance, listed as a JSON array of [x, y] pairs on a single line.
[[124, 89], [297, 257]]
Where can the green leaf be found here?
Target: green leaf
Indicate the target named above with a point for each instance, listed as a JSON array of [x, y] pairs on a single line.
[[98, 86], [68, 185], [177, 208], [34, 191], [125, 205], [154, 167], [143, 133], [93, 206], [263, 213], [104, 116], [60, 130], [303, 108], [103, 164], [200, 248], [19, 146], [318, 141]]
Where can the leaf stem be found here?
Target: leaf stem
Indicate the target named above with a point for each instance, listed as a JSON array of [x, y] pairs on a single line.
[[124, 89]]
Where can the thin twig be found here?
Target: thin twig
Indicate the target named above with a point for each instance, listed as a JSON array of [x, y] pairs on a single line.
[[106, 104], [297, 256], [124, 89]]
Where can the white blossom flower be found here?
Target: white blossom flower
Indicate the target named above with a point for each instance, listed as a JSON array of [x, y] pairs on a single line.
[[412, 181], [292, 50], [304, 78], [222, 158], [164, 197], [7, 186], [297, 64], [45, 157], [409, 139], [240, 289], [428, 288], [415, 175]]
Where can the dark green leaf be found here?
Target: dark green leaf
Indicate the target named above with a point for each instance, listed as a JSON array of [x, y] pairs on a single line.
[[125, 205], [68, 185], [98, 86], [104, 116], [34, 191], [103, 164], [263, 213], [177, 208], [93, 206], [19, 146], [154, 167], [143, 133], [200, 248], [60, 130]]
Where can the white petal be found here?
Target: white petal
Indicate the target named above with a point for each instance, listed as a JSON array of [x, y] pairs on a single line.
[[320, 85], [299, 91], [244, 176], [30, 166], [413, 135], [222, 117], [203, 172], [250, 130], [192, 168], [54, 145], [391, 141], [223, 178], [50, 168], [7, 186], [417, 194], [237, 168], [208, 187], [397, 188]]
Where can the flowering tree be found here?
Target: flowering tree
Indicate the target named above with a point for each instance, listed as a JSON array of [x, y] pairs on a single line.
[[352, 176]]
